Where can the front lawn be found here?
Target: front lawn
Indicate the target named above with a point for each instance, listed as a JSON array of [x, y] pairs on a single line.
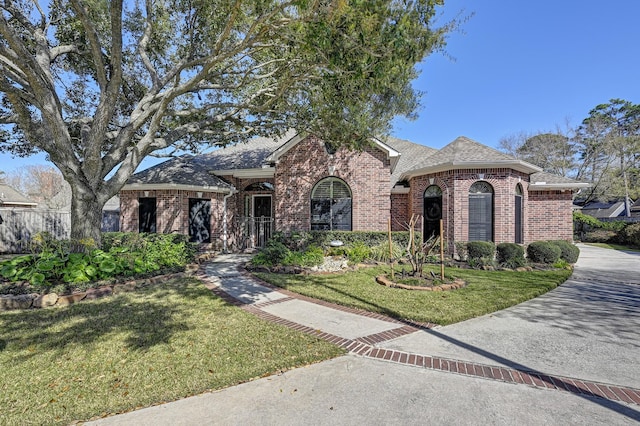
[[486, 292], [136, 349]]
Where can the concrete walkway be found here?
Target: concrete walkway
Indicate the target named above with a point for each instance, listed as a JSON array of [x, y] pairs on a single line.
[[571, 356]]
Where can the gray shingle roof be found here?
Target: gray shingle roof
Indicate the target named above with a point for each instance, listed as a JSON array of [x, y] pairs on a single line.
[[414, 159], [185, 170], [410, 154], [11, 197], [196, 170]]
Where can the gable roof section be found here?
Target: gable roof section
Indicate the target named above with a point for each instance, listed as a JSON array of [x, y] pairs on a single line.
[[9, 197], [410, 154], [465, 153], [392, 154], [249, 159], [186, 172]]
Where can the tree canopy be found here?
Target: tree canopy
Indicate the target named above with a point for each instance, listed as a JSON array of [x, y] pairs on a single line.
[[99, 85], [603, 150]]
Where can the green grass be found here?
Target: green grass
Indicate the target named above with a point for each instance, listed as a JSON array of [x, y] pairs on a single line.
[[486, 291], [136, 349]]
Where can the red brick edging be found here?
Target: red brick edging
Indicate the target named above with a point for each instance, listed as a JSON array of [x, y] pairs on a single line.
[[363, 346]]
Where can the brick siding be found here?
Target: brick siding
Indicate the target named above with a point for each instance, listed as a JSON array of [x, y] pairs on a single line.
[[172, 211], [367, 173]]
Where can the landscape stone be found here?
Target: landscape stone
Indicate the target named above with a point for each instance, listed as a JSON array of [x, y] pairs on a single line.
[[21, 301], [96, 293], [45, 300], [70, 299]]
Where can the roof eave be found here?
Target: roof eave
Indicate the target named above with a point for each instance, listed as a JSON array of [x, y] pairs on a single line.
[[284, 148], [261, 172], [176, 186], [542, 186], [521, 166]]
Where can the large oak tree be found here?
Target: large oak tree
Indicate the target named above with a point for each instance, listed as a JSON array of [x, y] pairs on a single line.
[[99, 85]]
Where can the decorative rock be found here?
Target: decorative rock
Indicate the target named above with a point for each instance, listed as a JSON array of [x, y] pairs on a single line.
[[45, 300], [70, 299], [122, 288], [21, 301], [96, 293]]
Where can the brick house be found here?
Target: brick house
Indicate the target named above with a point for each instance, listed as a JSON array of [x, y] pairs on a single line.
[[237, 196]]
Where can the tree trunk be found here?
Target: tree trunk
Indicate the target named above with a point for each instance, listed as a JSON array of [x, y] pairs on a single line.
[[86, 216]]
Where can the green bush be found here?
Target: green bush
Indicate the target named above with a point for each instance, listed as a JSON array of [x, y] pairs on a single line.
[[630, 235], [481, 250], [380, 252], [300, 240], [273, 253], [358, 252], [53, 262], [568, 252], [510, 255], [312, 256], [543, 252]]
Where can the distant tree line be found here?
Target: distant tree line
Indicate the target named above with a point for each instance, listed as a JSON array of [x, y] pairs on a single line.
[[603, 150]]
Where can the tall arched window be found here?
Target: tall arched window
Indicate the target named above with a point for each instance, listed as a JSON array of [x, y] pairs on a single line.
[[481, 212], [518, 220], [331, 205], [432, 211]]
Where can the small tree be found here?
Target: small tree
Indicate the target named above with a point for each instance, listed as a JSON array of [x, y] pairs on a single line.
[[418, 250]]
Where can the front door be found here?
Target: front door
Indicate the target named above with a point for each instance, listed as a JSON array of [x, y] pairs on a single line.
[[432, 216], [261, 219]]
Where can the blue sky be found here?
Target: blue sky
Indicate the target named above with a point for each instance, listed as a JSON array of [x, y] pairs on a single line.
[[520, 66]]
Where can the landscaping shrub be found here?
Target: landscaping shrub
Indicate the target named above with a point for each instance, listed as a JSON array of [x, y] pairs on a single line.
[[380, 252], [124, 255], [543, 252], [630, 235], [461, 250], [300, 240], [568, 252], [312, 256], [481, 250], [481, 254], [510, 255], [358, 252], [273, 253]]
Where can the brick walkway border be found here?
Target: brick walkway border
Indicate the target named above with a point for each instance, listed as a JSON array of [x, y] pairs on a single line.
[[364, 346]]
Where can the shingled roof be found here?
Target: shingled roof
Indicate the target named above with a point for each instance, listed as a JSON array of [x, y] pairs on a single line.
[[9, 197], [183, 172], [465, 153], [199, 171], [254, 158]]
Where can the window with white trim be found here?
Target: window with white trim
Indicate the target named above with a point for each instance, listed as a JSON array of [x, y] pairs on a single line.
[[331, 205]]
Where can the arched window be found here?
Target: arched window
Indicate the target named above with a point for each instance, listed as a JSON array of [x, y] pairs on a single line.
[[331, 205], [432, 211], [481, 212], [518, 220]]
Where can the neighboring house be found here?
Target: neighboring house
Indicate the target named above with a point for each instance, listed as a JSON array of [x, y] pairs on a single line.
[[235, 197], [10, 198], [604, 209]]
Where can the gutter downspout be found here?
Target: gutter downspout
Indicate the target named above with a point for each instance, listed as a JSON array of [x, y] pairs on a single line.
[[224, 220]]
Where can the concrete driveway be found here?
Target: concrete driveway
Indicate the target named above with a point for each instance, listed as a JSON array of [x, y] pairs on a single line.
[[585, 332], [589, 327]]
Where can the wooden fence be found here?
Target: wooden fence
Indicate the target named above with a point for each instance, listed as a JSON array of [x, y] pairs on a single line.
[[20, 225]]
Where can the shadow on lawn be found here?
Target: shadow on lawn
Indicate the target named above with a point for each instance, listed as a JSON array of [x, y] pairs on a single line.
[[148, 318]]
